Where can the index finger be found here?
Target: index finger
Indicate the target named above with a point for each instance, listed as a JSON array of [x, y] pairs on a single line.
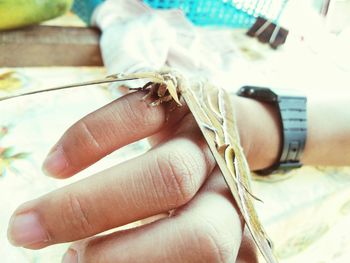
[[121, 122]]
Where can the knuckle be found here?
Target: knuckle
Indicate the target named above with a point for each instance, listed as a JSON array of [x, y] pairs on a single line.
[[212, 242], [75, 216], [89, 136], [177, 175], [93, 251]]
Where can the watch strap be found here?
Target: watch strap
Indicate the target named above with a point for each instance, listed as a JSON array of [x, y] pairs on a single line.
[[293, 119]]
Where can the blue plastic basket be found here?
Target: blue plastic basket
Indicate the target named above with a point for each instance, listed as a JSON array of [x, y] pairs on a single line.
[[223, 13], [85, 8], [234, 13]]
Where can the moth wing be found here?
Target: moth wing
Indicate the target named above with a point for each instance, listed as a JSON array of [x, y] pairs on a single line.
[[234, 168]]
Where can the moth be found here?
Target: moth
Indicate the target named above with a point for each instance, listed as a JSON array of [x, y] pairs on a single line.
[[214, 114]]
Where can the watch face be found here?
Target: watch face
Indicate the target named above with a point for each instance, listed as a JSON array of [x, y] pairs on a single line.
[[258, 93]]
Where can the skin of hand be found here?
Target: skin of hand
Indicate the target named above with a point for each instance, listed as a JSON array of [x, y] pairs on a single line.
[[178, 174]]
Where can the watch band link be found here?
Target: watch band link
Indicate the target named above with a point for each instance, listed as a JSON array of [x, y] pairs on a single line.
[[293, 120], [293, 124]]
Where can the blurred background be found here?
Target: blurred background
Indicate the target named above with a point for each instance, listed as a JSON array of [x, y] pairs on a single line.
[[306, 213]]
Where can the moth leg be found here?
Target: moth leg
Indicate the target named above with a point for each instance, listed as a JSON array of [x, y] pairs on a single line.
[[144, 87], [162, 90], [155, 103], [151, 91], [132, 88], [166, 98], [161, 100], [147, 85], [173, 106]]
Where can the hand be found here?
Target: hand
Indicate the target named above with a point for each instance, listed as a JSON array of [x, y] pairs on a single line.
[[178, 174]]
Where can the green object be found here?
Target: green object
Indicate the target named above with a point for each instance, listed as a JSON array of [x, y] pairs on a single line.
[[18, 13]]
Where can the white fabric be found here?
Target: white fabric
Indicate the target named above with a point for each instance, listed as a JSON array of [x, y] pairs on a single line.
[[136, 38]]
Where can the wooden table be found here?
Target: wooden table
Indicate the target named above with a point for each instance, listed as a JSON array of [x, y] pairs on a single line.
[[42, 46]]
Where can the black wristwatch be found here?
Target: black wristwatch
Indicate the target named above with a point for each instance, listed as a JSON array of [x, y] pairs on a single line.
[[291, 106]]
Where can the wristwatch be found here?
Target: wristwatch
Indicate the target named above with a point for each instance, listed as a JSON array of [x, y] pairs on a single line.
[[291, 106]]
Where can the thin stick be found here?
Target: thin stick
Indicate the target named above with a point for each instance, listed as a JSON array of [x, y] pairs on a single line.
[[94, 82]]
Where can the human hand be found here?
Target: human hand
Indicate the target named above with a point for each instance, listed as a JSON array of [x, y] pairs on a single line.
[[178, 174]]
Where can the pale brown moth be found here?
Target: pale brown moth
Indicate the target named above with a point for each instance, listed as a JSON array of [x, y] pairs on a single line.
[[214, 114]]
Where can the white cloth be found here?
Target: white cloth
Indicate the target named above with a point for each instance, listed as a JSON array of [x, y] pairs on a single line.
[[137, 38]]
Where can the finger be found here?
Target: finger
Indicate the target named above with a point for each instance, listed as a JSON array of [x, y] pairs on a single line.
[[117, 124], [248, 251], [208, 229], [155, 182]]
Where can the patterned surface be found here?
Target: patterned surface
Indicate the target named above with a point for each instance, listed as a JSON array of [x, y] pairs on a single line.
[[235, 14], [307, 215]]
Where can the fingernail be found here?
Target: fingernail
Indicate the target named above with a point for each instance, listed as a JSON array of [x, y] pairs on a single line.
[[25, 229], [71, 256], [55, 163]]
